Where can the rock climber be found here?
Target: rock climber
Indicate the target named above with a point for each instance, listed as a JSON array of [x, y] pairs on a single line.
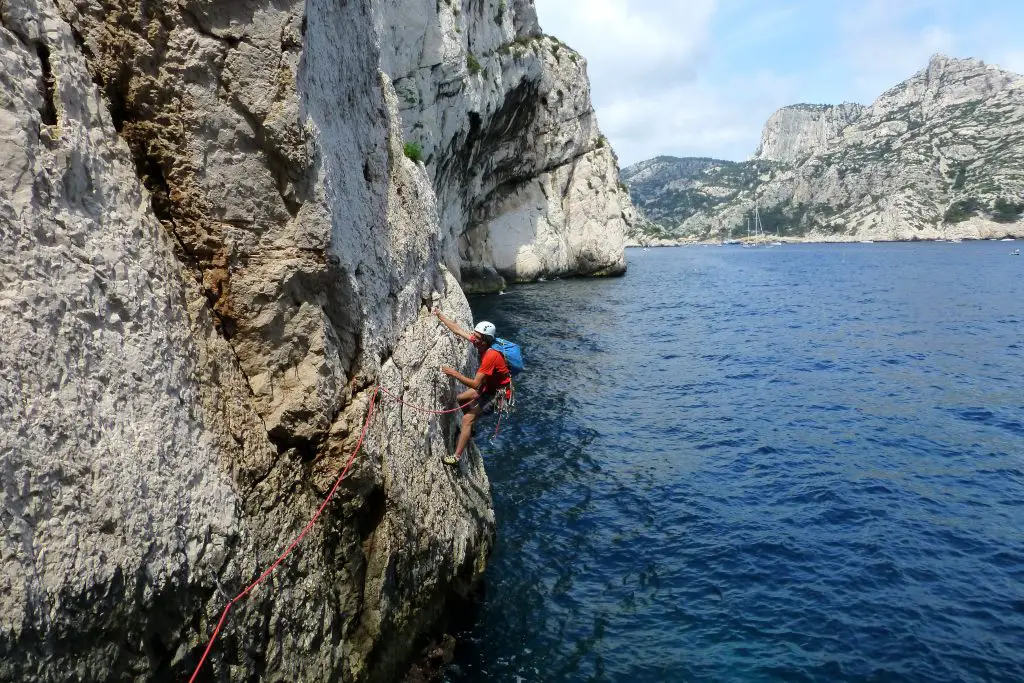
[[493, 381]]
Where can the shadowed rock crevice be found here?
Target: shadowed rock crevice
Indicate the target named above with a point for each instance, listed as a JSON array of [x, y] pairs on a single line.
[[371, 514], [305, 448], [48, 104], [48, 112]]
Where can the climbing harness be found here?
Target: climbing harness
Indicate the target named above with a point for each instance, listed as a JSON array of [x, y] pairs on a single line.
[[504, 406], [309, 525]]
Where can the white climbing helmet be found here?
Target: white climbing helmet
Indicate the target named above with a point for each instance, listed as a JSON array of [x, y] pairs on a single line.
[[485, 328]]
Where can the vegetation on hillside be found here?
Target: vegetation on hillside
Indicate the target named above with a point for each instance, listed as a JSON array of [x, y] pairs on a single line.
[[669, 190]]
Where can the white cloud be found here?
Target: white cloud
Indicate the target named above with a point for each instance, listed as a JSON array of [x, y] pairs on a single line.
[[640, 54], [723, 120], [631, 44]]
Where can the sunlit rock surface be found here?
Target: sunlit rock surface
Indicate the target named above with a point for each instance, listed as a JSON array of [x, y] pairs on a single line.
[[212, 249], [527, 185]]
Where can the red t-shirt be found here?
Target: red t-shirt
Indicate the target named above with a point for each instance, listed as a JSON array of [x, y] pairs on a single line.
[[495, 369]]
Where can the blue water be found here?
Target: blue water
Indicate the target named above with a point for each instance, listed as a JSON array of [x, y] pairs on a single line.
[[794, 464]]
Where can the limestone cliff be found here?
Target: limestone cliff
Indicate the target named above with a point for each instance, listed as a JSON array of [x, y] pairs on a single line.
[[212, 249], [936, 157], [797, 131], [527, 185]]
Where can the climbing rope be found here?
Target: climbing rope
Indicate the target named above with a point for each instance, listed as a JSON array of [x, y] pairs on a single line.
[[309, 525], [298, 539], [427, 410]]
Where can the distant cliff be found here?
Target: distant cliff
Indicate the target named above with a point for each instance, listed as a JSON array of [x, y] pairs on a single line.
[[800, 130], [527, 185], [937, 156], [669, 190]]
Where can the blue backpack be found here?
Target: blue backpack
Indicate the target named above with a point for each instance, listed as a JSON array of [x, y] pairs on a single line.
[[512, 353]]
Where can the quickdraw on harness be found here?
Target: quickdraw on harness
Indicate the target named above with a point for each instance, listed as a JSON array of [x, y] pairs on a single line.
[[504, 406]]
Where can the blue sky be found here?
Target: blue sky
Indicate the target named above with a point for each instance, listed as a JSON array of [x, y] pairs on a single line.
[[700, 77]]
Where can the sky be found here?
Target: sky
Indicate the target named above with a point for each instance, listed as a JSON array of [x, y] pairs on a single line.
[[701, 77]]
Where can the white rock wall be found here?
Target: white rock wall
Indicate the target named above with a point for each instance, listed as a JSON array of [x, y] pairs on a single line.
[[554, 224], [503, 117], [118, 501], [794, 133], [211, 250]]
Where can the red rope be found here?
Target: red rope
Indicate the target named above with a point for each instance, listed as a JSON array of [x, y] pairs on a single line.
[[309, 525], [298, 539], [428, 410]]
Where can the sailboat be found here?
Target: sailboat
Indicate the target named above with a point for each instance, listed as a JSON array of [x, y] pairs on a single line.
[[759, 236], [747, 243]]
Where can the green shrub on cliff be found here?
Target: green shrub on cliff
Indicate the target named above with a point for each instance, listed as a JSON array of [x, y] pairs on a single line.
[[1005, 211], [413, 151], [961, 210]]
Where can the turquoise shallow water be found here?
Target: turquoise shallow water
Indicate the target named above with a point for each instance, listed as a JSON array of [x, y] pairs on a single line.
[[794, 464]]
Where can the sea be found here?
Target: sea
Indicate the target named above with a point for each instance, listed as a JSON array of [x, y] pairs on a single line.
[[799, 463]]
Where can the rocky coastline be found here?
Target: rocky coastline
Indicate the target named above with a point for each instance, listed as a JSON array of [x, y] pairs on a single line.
[[996, 236]]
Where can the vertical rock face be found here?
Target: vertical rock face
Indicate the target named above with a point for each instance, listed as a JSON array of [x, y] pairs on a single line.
[[211, 250], [798, 131], [527, 186]]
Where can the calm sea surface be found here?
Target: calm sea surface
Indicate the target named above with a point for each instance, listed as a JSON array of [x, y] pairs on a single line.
[[803, 463]]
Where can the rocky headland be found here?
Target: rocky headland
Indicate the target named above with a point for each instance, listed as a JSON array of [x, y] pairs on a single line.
[[936, 157], [496, 107], [215, 246]]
